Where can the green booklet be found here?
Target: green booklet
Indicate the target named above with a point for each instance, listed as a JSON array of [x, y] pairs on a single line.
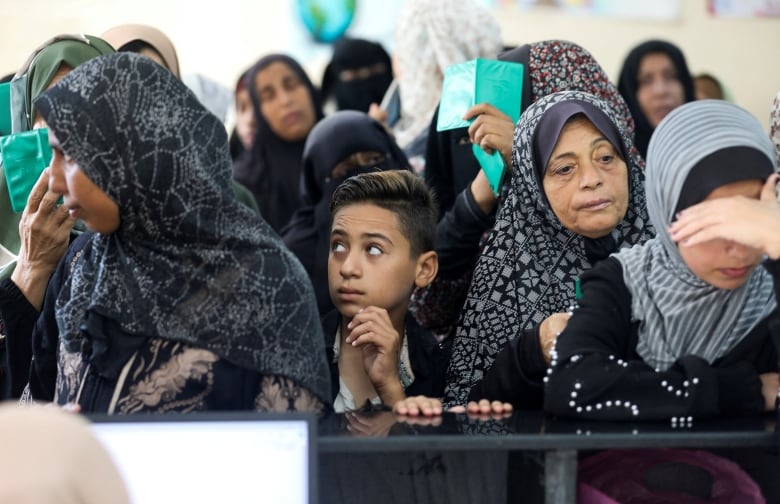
[[5, 109], [499, 83], [24, 156]]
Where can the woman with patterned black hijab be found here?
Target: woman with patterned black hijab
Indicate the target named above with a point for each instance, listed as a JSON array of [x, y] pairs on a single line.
[[181, 299], [526, 274]]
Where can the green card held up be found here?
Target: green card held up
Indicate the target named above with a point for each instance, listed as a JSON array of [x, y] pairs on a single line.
[[25, 156], [499, 83]]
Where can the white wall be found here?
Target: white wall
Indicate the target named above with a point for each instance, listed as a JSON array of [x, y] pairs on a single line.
[[220, 38], [743, 53]]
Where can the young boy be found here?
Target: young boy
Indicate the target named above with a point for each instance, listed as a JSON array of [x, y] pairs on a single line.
[[381, 249]]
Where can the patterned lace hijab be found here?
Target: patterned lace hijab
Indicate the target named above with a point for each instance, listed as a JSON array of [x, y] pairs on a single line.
[[560, 65], [679, 313], [188, 263], [528, 268], [431, 35]]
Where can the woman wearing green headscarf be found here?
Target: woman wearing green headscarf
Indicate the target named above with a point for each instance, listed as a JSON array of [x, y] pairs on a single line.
[[47, 228]]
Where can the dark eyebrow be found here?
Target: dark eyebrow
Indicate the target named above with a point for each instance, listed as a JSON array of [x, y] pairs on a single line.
[[559, 156], [265, 89], [571, 154], [365, 236], [592, 144], [377, 236]]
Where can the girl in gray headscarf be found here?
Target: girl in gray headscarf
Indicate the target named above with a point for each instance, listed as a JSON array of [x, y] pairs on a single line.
[[683, 326]]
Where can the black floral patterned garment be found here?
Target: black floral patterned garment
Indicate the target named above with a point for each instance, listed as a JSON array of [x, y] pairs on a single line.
[[188, 264]]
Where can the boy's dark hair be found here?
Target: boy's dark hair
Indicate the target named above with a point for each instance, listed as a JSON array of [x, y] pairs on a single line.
[[399, 191]]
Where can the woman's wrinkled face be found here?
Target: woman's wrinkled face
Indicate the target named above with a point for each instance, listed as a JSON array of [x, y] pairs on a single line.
[[586, 181], [83, 199], [285, 102], [660, 90], [725, 264]]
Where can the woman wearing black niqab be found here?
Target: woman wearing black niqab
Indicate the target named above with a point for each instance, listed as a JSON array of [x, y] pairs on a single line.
[[358, 74]]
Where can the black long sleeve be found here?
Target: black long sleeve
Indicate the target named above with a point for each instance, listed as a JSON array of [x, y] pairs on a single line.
[[19, 318], [42, 374], [438, 306], [458, 236], [598, 374], [516, 374], [450, 165]]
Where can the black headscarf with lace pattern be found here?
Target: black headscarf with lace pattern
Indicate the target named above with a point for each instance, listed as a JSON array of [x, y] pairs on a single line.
[[188, 262]]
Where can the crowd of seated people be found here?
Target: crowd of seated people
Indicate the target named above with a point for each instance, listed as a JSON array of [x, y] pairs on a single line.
[[339, 262]]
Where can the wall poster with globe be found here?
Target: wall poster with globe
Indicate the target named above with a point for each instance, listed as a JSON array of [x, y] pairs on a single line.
[[326, 20]]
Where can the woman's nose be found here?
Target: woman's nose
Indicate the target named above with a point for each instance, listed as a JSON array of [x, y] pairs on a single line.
[[590, 176], [738, 250], [56, 177]]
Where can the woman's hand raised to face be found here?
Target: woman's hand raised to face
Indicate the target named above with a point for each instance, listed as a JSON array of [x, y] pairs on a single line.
[[748, 221], [378, 114], [45, 230]]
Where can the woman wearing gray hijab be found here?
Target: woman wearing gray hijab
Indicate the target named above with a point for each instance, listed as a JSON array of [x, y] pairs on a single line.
[[684, 327]]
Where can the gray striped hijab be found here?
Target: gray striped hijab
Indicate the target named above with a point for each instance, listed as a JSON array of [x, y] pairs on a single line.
[[679, 313]]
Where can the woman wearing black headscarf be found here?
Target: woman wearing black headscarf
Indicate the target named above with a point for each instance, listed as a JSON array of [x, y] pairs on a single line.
[[558, 219], [39, 236], [654, 81], [358, 74], [455, 175], [287, 106], [181, 299], [340, 146]]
